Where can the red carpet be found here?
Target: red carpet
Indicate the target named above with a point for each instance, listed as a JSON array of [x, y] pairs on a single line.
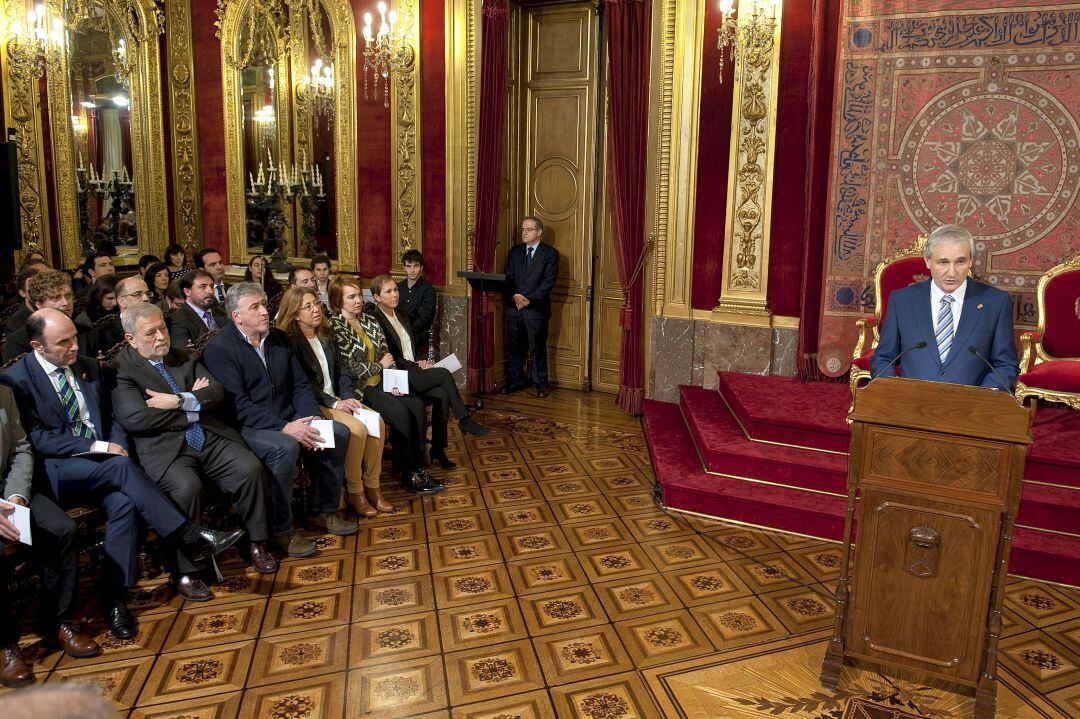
[[750, 451]]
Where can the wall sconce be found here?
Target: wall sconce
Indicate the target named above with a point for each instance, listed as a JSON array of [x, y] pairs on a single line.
[[746, 34], [385, 52], [315, 91]]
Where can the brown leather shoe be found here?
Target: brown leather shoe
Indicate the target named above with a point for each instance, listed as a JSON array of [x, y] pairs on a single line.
[[262, 561], [14, 672], [193, 589], [74, 644], [375, 499]]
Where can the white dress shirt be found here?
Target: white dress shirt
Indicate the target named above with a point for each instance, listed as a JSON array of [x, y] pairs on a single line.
[[936, 294], [403, 335], [84, 411]]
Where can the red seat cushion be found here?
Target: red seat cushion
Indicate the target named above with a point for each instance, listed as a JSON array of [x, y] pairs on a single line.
[[1055, 376], [898, 275], [1061, 337], [863, 362]]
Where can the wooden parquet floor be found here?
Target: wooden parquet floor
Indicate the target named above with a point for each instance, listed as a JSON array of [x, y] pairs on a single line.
[[545, 582]]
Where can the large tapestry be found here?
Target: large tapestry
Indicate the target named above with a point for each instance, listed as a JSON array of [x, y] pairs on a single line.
[[967, 115]]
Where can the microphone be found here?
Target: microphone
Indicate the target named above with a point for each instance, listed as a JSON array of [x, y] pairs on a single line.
[[973, 350], [916, 346]]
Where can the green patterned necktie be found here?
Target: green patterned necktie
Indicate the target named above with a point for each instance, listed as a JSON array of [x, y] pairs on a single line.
[[71, 406]]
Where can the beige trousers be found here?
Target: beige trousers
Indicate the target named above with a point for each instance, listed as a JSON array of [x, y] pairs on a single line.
[[363, 462]]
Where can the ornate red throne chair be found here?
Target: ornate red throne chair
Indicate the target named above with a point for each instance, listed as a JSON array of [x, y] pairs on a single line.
[[1050, 363]]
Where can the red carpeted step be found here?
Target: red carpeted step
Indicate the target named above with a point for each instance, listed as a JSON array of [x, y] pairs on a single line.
[[1042, 555], [688, 488], [1053, 508], [1055, 455], [724, 448], [780, 409]]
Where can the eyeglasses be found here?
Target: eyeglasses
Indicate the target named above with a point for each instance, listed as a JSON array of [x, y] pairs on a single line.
[[141, 293], [530, 229], [308, 307]]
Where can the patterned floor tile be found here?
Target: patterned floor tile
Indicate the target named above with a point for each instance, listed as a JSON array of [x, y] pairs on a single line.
[[316, 573], [157, 596], [637, 597], [317, 698], [401, 689], [663, 638], [739, 542], [1040, 661], [406, 506], [678, 552], [622, 482], [463, 553], [591, 448], [397, 533], [823, 561], [613, 464], [634, 503], [791, 542], [490, 442], [561, 610], [511, 495], [530, 705], [537, 542], [615, 562], [409, 595], [489, 672], [582, 509], [593, 535], [738, 622], [42, 657], [456, 500], [238, 586], [381, 564], [299, 655], [546, 453], [209, 625], [478, 625], [468, 586], [621, 695], [451, 526], [119, 682], [224, 706], [1011, 623], [704, 585], [1040, 604], [1067, 699], [502, 476], [329, 544], [522, 516], [558, 469], [394, 639], [803, 609], [545, 574], [581, 654], [656, 525], [490, 459], [197, 673], [565, 488], [312, 610], [153, 631], [459, 478], [769, 572]]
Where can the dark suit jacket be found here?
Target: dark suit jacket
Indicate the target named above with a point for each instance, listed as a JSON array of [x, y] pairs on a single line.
[[393, 343], [418, 302], [43, 415], [985, 323], [185, 325], [18, 318], [16, 457], [262, 397], [158, 434], [309, 363], [536, 281]]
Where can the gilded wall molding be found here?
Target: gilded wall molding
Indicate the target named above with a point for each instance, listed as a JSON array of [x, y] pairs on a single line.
[[462, 107], [744, 290], [187, 185], [407, 232]]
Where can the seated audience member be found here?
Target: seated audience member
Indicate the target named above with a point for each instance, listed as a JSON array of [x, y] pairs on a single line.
[[156, 278], [363, 349], [199, 314], [145, 261], [301, 318], [97, 265], [174, 299], [129, 291], [320, 267], [100, 301], [176, 261], [432, 384], [18, 319], [165, 400], [302, 277], [46, 290], [417, 296], [53, 550], [274, 406], [210, 260], [66, 412], [105, 245], [258, 271]]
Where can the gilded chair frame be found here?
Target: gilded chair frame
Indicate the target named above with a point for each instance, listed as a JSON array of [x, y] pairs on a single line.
[[1031, 344]]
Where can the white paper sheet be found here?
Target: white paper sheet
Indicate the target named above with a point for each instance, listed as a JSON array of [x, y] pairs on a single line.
[[450, 362], [398, 378], [371, 420], [21, 519], [325, 428]]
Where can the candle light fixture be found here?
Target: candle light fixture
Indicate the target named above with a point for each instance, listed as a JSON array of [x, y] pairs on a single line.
[[386, 51], [748, 33]]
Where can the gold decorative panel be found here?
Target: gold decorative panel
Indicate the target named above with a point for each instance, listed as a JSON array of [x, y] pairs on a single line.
[[187, 187], [405, 219]]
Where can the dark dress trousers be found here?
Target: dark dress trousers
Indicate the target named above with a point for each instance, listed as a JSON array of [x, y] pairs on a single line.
[[263, 398], [418, 302], [185, 324], [158, 438], [527, 329], [113, 482], [434, 385]]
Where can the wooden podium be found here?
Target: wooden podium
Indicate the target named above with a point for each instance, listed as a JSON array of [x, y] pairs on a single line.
[[936, 469]]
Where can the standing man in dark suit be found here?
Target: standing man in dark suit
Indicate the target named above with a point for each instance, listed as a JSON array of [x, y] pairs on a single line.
[[53, 534], [83, 454], [210, 260], [531, 269], [165, 399], [199, 314], [274, 406], [965, 327]]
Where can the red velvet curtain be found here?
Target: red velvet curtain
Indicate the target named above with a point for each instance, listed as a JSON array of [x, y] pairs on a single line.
[[488, 179], [628, 23]]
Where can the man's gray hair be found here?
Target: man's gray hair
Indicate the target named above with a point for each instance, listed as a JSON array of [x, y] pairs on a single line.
[[130, 317], [60, 700], [949, 233], [238, 292]]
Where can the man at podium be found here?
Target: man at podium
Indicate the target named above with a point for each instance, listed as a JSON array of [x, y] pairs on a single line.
[[949, 328]]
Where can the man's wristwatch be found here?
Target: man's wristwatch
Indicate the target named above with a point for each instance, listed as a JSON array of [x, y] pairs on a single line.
[[179, 402]]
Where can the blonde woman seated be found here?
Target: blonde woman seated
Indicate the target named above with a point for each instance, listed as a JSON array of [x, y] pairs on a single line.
[[301, 317], [363, 348]]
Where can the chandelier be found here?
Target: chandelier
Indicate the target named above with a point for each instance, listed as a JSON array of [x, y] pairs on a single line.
[[746, 35], [316, 90], [385, 52]]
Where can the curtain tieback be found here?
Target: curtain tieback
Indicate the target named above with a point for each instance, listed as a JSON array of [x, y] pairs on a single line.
[[626, 312]]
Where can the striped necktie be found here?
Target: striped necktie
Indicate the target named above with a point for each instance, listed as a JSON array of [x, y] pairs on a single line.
[[71, 405], [944, 331]]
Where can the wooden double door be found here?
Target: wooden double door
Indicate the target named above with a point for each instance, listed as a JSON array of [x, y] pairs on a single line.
[[554, 170]]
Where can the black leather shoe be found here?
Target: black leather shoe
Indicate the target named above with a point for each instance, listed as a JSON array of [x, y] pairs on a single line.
[[120, 621], [438, 455], [432, 482], [203, 541], [469, 425], [541, 393], [193, 589], [508, 389], [418, 484]]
